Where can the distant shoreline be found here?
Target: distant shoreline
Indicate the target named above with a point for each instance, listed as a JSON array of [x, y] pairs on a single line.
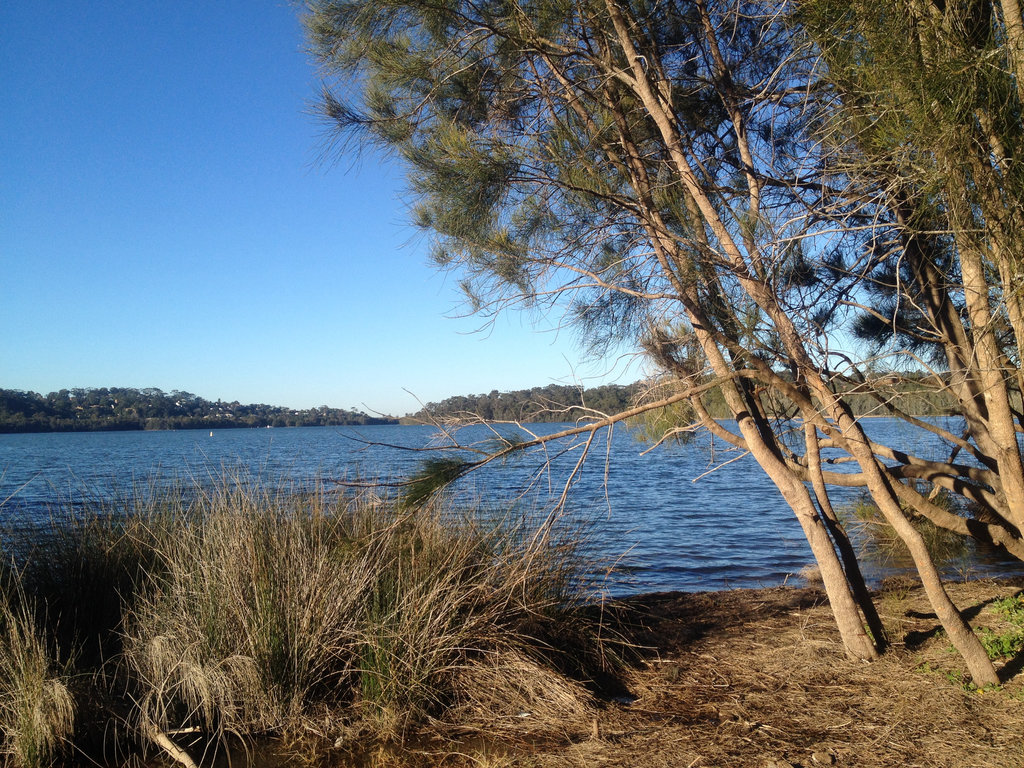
[[122, 409], [198, 428], [125, 409]]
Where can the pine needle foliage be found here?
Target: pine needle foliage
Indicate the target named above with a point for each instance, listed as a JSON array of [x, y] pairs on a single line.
[[431, 478], [932, 119]]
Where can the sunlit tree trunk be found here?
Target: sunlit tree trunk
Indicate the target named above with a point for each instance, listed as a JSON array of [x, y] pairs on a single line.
[[1015, 40], [842, 541]]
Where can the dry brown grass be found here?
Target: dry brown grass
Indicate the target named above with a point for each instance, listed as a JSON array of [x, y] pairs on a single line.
[[319, 617], [508, 693], [233, 613]]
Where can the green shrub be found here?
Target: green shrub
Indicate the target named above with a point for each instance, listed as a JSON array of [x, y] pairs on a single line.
[[1010, 641], [1000, 645], [1011, 608]]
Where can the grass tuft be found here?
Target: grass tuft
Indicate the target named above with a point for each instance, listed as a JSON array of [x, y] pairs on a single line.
[[243, 611], [880, 541], [37, 711]]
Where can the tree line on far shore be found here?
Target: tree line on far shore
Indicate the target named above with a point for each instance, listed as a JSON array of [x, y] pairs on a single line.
[[121, 408], [911, 392], [551, 404]]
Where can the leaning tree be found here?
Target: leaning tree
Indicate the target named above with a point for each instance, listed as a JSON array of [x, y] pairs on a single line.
[[704, 181]]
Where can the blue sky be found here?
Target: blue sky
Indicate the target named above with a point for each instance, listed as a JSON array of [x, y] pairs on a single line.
[[166, 221]]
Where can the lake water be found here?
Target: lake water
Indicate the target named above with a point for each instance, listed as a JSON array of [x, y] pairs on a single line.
[[665, 520]]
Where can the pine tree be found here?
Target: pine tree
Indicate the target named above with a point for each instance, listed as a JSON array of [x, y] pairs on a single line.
[[676, 178]]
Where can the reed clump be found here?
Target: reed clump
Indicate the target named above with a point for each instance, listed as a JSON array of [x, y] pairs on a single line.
[[245, 611], [881, 542]]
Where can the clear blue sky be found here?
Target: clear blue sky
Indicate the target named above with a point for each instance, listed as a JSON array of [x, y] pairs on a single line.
[[165, 222]]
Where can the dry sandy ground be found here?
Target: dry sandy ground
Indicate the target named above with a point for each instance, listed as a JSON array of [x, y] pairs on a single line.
[[758, 678]]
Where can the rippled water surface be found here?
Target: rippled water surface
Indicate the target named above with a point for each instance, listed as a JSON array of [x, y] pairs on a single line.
[[664, 520]]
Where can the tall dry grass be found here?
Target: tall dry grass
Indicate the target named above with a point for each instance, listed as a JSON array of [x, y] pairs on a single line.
[[270, 609], [246, 610], [83, 567], [37, 711]]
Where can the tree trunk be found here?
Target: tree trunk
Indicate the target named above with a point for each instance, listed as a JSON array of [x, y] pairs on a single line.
[[856, 641], [842, 541], [837, 586], [1015, 41], [960, 633], [991, 374]]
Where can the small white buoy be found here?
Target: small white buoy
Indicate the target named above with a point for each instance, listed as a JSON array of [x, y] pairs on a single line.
[[211, 434]]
